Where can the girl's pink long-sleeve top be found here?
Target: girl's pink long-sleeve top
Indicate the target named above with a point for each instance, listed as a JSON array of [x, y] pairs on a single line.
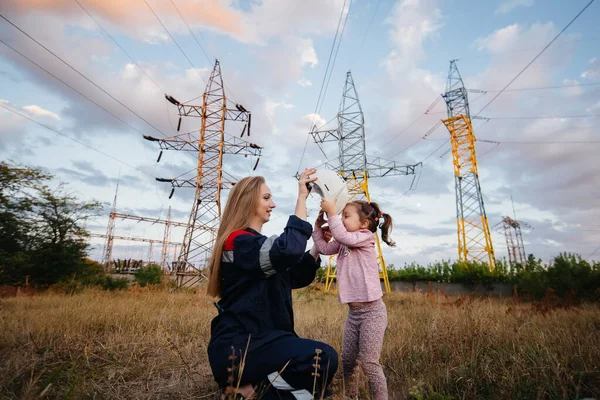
[[357, 270]]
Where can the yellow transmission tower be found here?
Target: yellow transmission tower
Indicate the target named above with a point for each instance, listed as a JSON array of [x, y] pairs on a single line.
[[354, 165], [474, 239]]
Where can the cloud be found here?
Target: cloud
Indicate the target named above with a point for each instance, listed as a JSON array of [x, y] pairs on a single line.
[[85, 172], [261, 22], [507, 6], [268, 19], [304, 82], [38, 111], [271, 109], [137, 19], [285, 59], [13, 131], [308, 53], [412, 22], [593, 71]]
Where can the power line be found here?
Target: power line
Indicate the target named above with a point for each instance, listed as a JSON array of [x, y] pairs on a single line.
[[369, 26], [336, 54], [119, 46], [435, 151], [175, 41], [69, 86], [535, 88], [329, 59], [535, 58], [429, 132], [192, 32], [74, 140], [185, 55], [535, 141], [541, 117], [406, 128], [323, 83], [72, 88], [81, 74]]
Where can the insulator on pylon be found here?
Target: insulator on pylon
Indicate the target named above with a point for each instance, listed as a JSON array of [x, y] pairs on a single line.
[[172, 192], [172, 100], [179, 124], [256, 165], [150, 138], [244, 130], [249, 123], [159, 156]]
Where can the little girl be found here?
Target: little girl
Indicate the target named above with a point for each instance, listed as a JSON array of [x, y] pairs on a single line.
[[358, 286]]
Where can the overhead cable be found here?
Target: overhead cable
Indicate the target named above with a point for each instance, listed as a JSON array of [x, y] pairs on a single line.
[[535, 58], [81, 74], [74, 140], [322, 83]]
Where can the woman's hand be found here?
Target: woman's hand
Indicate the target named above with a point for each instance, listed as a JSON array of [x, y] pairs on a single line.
[[303, 191], [327, 234], [320, 220], [305, 178], [329, 207]]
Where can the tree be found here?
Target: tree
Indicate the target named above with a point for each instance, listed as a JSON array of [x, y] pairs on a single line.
[[41, 230]]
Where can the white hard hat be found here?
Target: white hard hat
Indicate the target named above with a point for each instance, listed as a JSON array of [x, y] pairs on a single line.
[[331, 186]]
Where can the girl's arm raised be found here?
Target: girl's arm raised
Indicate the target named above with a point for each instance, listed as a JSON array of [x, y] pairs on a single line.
[[325, 248], [352, 239]]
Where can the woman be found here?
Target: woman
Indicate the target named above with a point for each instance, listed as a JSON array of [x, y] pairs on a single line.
[[253, 343]]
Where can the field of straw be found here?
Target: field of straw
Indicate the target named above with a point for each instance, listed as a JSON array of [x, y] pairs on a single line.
[[143, 344]]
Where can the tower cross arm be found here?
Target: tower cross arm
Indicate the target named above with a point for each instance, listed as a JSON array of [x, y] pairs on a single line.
[[234, 145], [380, 167], [189, 142], [239, 113], [133, 239], [331, 135], [192, 183], [150, 220]]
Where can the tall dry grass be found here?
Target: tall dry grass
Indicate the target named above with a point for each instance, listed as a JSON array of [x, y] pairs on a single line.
[[152, 344]]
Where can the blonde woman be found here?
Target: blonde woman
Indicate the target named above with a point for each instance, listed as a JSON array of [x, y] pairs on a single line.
[[253, 275]]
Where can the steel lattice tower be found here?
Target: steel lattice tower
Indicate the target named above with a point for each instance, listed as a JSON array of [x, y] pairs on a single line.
[[354, 165], [514, 241], [110, 232], [474, 239], [211, 145], [164, 263]]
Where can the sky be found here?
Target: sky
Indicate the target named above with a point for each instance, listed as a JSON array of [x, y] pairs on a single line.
[[541, 165]]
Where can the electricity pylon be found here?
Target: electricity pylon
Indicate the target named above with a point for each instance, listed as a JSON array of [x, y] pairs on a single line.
[[210, 144], [354, 165], [514, 240], [474, 239], [110, 231], [137, 239], [166, 239], [110, 234]]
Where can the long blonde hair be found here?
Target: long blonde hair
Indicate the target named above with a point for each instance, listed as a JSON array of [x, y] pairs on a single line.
[[239, 210]]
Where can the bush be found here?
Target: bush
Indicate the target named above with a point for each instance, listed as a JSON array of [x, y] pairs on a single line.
[[111, 283], [149, 275], [567, 275]]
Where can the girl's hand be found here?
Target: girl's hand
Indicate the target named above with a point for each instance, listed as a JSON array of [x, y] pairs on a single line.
[[305, 178], [320, 220], [329, 207]]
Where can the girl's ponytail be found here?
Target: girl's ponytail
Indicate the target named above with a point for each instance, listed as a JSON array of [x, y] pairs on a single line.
[[386, 229], [371, 212]]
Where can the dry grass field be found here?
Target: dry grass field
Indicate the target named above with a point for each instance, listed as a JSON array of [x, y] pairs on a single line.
[[144, 344]]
